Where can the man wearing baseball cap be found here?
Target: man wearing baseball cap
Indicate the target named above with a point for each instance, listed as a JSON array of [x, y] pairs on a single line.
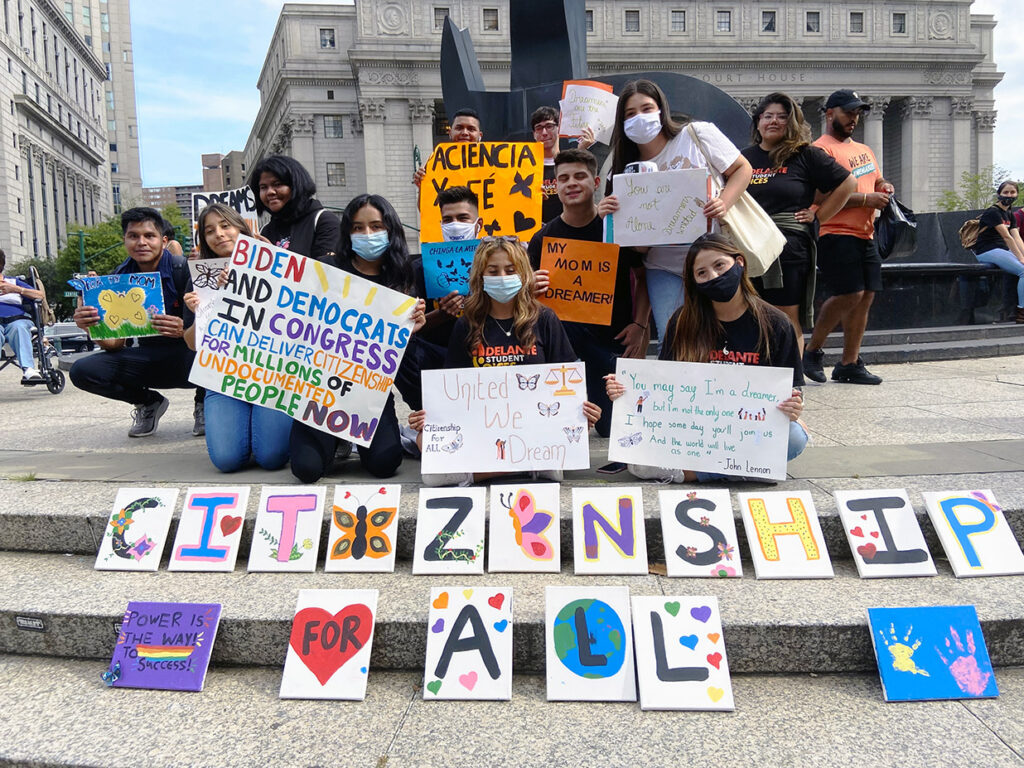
[[847, 257]]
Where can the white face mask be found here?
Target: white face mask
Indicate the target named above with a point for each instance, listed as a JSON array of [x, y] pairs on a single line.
[[458, 230], [643, 127]]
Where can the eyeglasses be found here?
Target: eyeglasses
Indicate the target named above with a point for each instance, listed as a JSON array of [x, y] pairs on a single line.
[[500, 239], [544, 127]]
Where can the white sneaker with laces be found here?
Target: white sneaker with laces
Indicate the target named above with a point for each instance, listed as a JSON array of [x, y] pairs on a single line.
[[31, 374]]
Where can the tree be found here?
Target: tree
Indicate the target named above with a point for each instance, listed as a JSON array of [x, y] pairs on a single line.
[[976, 190]]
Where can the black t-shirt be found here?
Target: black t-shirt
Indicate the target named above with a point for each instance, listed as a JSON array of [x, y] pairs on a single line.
[[175, 282], [739, 346], [791, 188], [502, 348], [552, 206], [989, 238], [622, 304]]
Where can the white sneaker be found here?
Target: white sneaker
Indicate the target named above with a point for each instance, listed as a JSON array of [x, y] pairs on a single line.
[[555, 475], [454, 479], [31, 375]]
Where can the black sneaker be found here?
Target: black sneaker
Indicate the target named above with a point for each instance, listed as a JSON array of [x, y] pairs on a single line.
[[199, 419], [854, 373], [813, 365]]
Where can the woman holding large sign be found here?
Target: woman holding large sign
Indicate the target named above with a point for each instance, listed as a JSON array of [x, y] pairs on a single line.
[[645, 131], [724, 321]]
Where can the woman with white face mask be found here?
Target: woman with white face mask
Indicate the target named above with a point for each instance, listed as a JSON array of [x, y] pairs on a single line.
[[645, 131]]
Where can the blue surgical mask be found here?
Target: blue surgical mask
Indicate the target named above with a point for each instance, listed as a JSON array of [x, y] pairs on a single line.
[[502, 288], [370, 247]]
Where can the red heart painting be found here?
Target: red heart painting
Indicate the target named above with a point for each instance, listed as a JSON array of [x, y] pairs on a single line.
[[867, 551], [325, 642], [714, 659], [229, 524], [857, 531], [496, 601]]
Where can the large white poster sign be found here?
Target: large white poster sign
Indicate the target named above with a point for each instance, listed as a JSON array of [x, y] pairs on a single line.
[[301, 337], [702, 416], [584, 105], [205, 275], [505, 419], [241, 200], [660, 208]]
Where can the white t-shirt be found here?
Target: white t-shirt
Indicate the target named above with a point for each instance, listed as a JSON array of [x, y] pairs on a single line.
[[681, 152], [11, 298]]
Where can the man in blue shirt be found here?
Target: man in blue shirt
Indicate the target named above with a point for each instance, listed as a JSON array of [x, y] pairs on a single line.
[[131, 374], [15, 322]]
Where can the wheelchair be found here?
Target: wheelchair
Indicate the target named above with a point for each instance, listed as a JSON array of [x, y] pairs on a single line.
[[45, 355]]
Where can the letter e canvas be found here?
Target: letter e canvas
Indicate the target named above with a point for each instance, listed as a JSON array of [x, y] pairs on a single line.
[[973, 531], [137, 530], [784, 535]]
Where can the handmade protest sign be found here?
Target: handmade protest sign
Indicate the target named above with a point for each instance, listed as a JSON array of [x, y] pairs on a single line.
[[135, 536], [589, 644], [699, 533], [587, 103], [450, 531], [469, 644], [364, 526], [205, 282], [210, 529], [446, 267], [126, 303], [784, 535], [582, 286], [524, 535], [242, 201], [608, 531], [884, 534], [505, 419], [506, 177], [680, 653], [286, 535], [931, 652], [164, 646], [973, 531], [660, 208], [301, 337], [702, 416], [329, 645]]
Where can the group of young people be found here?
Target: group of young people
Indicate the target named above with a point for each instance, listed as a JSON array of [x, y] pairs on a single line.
[[698, 296]]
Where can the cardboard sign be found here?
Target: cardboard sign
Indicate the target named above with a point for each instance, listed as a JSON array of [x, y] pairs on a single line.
[[210, 529], [884, 534], [135, 536], [582, 285], [589, 644], [450, 531], [524, 532], [205, 276], [329, 645], [931, 652], [699, 532], [469, 644], [660, 208], [446, 267], [784, 535], [363, 530], [164, 646], [301, 337], [505, 418], [126, 303], [973, 531], [608, 530], [505, 175], [286, 536], [587, 103], [702, 416], [242, 201], [680, 654]]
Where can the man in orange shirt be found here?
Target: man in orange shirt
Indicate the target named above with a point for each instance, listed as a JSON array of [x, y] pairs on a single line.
[[847, 256]]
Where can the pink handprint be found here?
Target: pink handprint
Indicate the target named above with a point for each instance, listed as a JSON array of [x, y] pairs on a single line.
[[964, 667]]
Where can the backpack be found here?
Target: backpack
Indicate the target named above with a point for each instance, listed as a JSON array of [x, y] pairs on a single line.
[[969, 233]]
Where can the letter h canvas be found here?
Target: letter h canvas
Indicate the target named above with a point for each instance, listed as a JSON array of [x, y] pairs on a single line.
[[784, 535]]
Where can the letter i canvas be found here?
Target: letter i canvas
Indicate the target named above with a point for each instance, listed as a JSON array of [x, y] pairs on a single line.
[[329, 645], [286, 536], [469, 644], [137, 530], [210, 529], [784, 535], [884, 534], [608, 530], [973, 531]]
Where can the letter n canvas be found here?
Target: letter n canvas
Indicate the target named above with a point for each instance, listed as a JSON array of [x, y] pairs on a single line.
[[608, 532], [974, 532], [784, 535]]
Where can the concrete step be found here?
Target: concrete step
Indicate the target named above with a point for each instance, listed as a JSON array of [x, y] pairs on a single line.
[[770, 626], [792, 720], [37, 517], [926, 335]]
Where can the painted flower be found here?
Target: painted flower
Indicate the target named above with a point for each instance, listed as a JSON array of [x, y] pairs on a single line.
[[725, 552], [121, 520], [705, 521], [691, 495], [691, 551], [722, 571], [307, 544], [142, 547]]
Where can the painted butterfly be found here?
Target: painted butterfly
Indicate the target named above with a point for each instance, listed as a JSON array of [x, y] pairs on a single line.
[[121, 308], [529, 523], [208, 275], [527, 382], [635, 439], [548, 410], [363, 533], [573, 433], [454, 445], [522, 186]]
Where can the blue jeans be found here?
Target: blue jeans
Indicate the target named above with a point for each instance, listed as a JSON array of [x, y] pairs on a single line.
[[1007, 262], [18, 333], [665, 291], [236, 431], [797, 443]]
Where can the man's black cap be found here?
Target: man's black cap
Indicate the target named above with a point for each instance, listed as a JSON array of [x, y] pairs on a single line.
[[846, 100]]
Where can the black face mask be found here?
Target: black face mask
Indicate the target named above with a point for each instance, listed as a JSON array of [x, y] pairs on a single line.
[[1005, 200], [723, 287]]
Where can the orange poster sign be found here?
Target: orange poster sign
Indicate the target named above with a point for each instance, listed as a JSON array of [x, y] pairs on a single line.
[[582, 285]]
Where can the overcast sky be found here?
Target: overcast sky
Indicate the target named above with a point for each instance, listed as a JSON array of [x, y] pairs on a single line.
[[195, 84]]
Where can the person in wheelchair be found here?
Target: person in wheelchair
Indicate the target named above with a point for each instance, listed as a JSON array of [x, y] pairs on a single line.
[[16, 323]]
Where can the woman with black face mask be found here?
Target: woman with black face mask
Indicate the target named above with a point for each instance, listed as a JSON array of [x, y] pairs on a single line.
[[724, 321], [999, 240]]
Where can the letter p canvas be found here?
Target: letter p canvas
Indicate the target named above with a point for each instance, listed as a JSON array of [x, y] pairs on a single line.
[[974, 533]]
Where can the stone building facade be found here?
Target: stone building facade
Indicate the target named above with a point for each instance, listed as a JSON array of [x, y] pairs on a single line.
[[354, 92]]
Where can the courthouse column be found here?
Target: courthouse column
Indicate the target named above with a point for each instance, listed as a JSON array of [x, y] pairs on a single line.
[[984, 126], [960, 109], [303, 129], [873, 123], [372, 114], [916, 116]]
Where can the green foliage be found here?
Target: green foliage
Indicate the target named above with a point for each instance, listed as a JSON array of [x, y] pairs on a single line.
[[976, 190]]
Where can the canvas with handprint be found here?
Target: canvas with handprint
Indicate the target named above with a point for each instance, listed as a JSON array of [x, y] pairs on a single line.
[[931, 652]]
